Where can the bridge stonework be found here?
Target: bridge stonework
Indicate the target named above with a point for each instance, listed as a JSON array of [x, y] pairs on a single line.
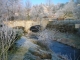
[[27, 24]]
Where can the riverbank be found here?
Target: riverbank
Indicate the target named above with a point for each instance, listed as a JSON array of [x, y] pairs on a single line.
[[32, 49], [36, 46], [68, 39], [66, 34]]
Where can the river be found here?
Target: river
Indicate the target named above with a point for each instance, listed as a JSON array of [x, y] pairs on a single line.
[[57, 47], [70, 52]]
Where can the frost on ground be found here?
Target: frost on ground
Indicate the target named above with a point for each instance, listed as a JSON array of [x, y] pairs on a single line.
[[32, 48], [29, 50], [24, 42]]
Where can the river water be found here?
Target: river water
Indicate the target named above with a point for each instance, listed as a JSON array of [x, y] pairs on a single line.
[[60, 48], [70, 52], [63, 49]]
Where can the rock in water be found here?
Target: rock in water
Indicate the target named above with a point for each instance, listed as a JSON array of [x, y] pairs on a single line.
[[35, 28]]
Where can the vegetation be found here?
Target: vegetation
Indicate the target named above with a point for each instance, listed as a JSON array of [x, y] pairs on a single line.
[[15, 10], [7, 38]]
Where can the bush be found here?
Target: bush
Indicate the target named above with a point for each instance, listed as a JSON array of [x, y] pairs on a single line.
[[7, 38]]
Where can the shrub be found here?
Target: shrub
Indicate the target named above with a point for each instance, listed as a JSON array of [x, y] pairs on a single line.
[[7, 38]]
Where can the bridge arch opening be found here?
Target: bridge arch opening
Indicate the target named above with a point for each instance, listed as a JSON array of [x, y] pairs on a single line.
[[35, 28]]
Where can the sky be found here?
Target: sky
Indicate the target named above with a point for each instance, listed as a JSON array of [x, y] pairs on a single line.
[[34, 2]]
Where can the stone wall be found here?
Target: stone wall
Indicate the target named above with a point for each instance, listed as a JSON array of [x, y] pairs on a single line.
[[27, 24]]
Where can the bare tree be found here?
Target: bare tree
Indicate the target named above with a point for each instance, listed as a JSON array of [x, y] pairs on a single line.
[[66, 11], [28, 9], [77, 1], [76, 12], [37, 12], [12, 8], [49, 3]]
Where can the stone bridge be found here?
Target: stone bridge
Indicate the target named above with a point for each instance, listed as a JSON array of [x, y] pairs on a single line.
[[27, 24], [43, 23]]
